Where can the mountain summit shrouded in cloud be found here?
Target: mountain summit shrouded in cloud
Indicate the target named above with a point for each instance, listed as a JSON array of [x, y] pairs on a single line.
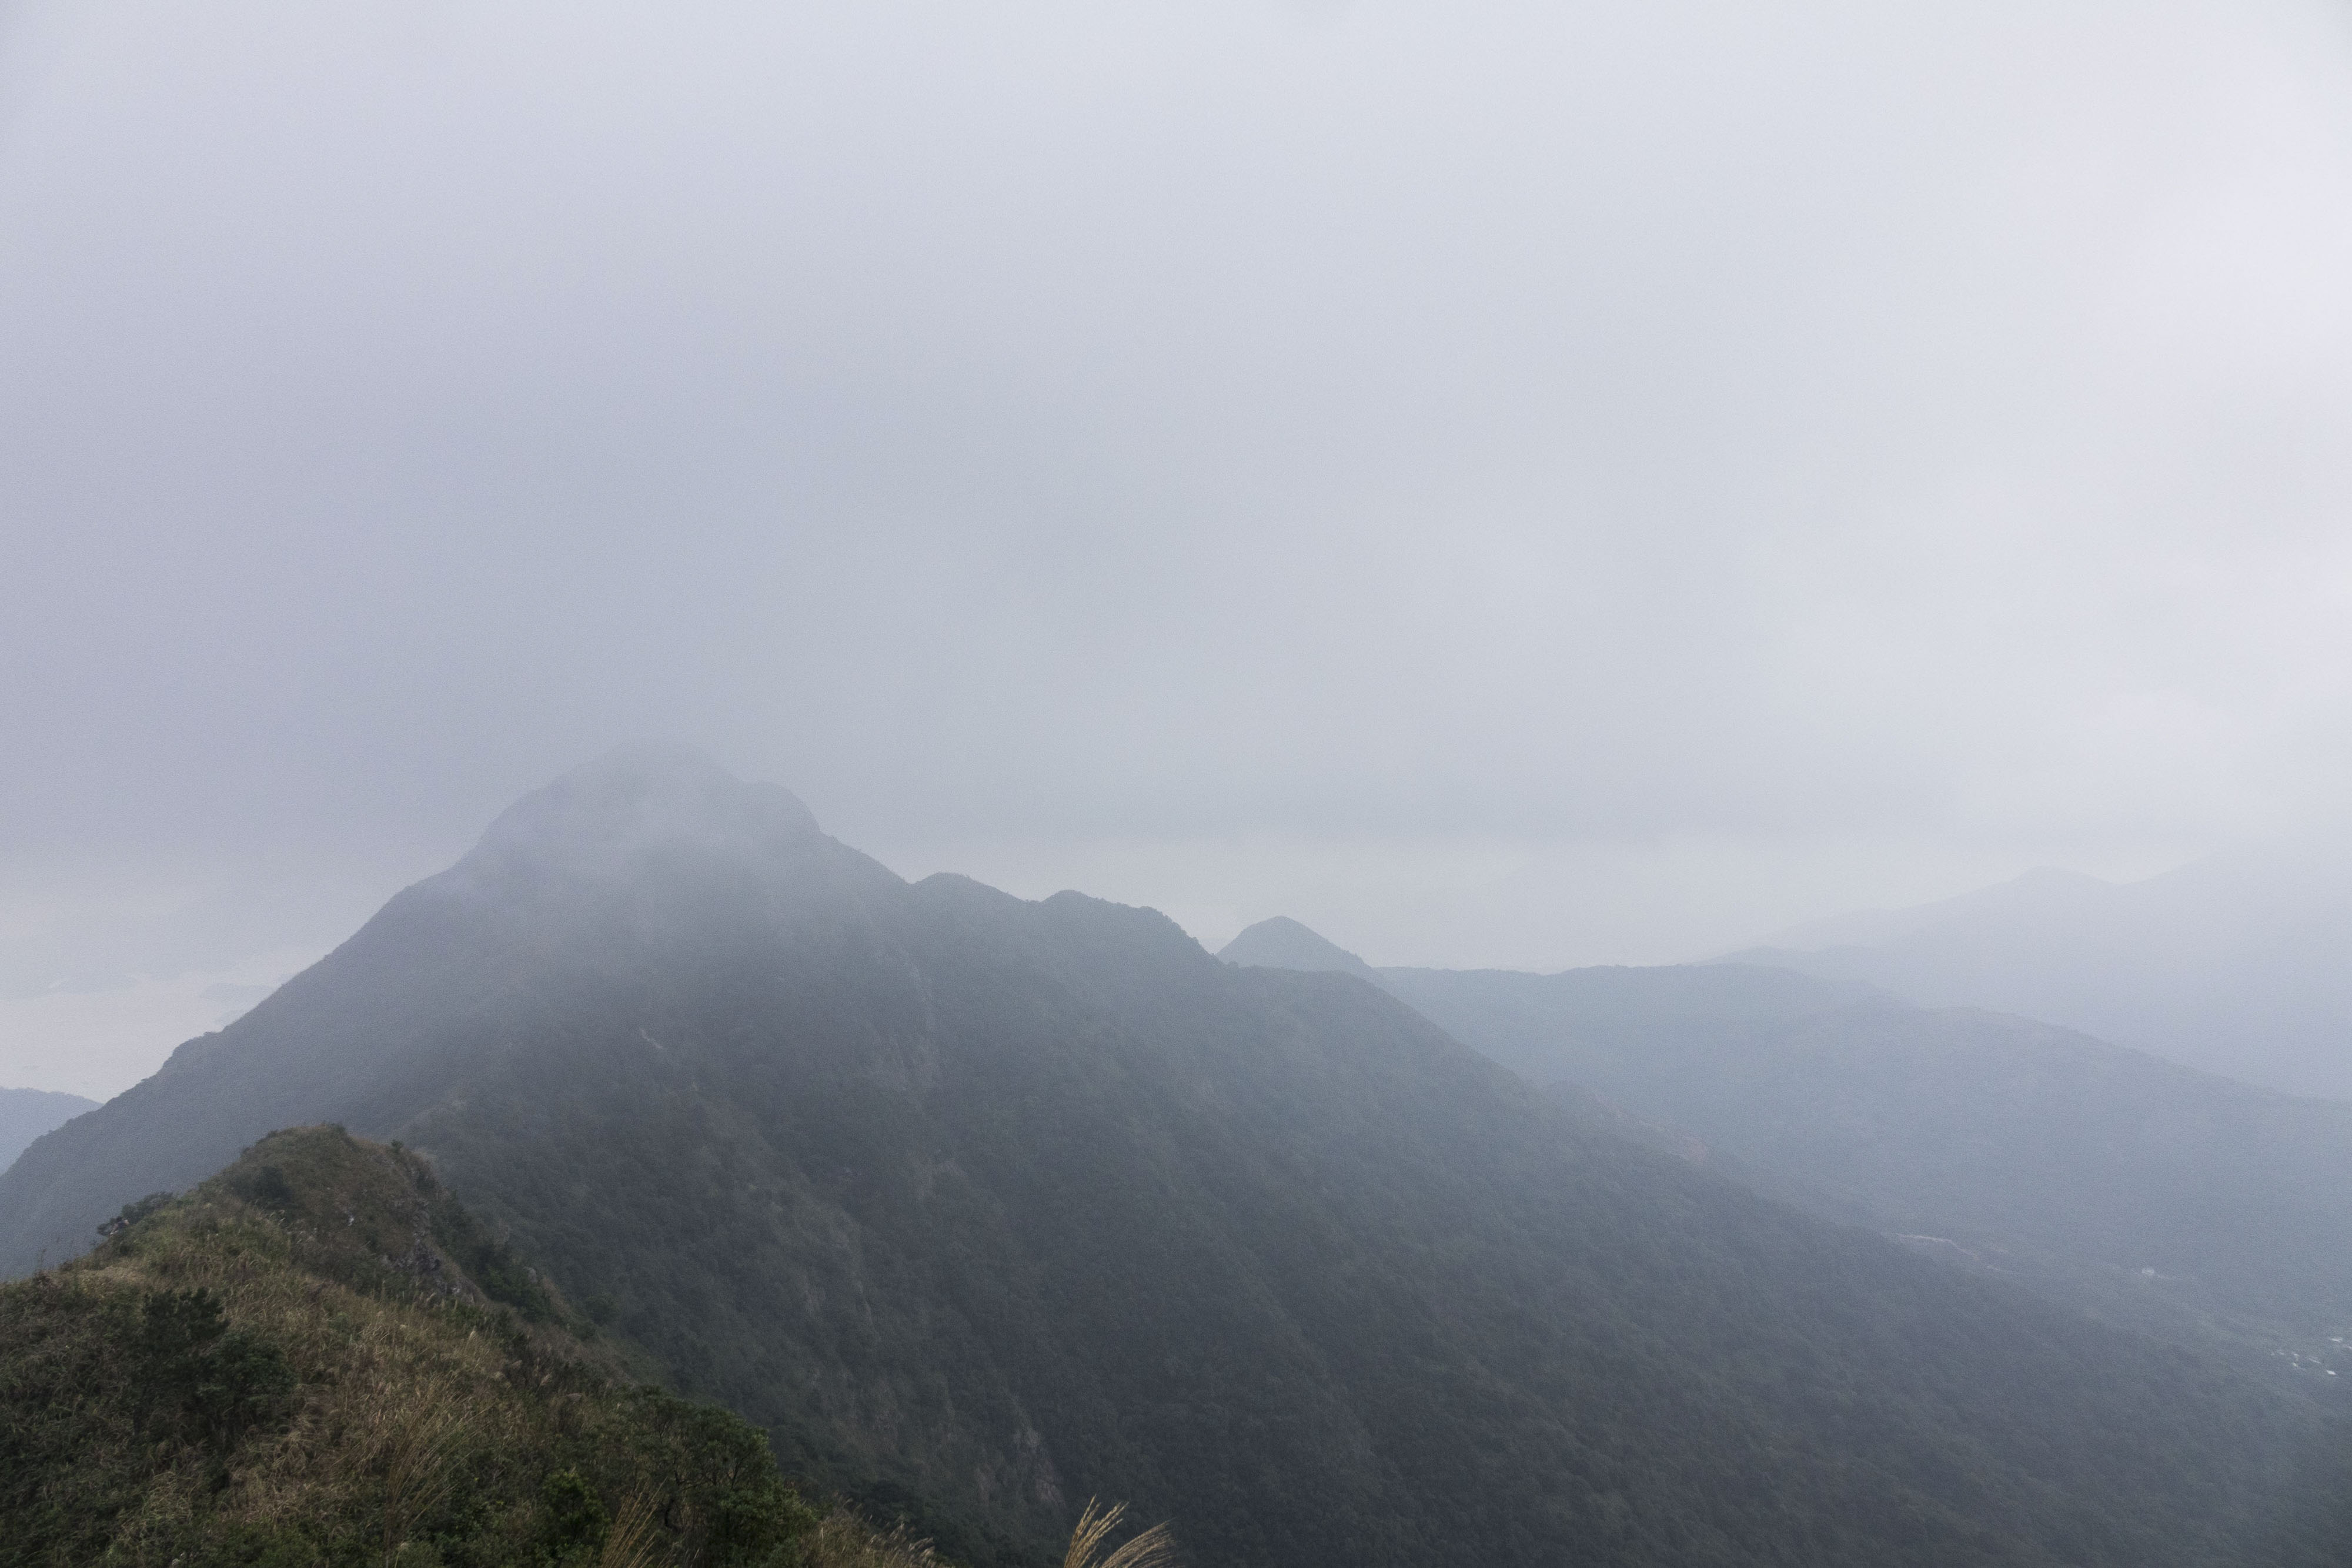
[[1553, 483], [1001, 1204], [1531, 488]]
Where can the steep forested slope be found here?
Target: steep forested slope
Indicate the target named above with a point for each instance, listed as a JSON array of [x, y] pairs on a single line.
[[1011, 1203]]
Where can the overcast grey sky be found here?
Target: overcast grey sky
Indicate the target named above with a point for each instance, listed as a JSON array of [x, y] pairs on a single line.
[[1520, 483]]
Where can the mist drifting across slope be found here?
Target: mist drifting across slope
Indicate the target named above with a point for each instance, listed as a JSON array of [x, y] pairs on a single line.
[[1602, 480]]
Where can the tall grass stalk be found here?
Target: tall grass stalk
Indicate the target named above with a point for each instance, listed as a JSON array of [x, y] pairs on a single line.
[[419, 1438], [631, 1542], [1154, 1548], [845, 1540]]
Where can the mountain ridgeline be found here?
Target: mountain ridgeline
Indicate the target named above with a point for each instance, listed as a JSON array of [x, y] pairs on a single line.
[[2235, 964], [2113, 1180], [2145, 1191], [1003, 1205], [318, 1356], [26, 1113]]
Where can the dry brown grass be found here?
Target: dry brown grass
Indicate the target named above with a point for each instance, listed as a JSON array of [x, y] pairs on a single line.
[[391, 1399], [415, 1438], [405, 1397], [845, 1540]]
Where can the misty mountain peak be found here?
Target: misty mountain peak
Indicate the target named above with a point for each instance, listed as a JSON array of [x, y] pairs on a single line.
[[606, 816], [1283, 943]]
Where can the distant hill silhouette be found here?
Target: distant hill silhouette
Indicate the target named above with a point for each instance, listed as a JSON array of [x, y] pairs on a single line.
[[2240, 962], [1003, 1204], [1283, 943], [2110, 1179], [26, 1113]]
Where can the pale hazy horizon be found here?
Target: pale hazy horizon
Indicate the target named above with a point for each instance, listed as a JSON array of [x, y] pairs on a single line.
[[1524, 484]]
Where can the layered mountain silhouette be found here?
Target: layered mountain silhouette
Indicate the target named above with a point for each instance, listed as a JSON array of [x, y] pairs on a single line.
[[2239, 964], [26, 1113], [1001, 1204], [2108, 1177]]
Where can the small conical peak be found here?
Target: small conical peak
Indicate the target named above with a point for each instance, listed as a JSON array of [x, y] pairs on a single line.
[[604, 815], [1283, 943]]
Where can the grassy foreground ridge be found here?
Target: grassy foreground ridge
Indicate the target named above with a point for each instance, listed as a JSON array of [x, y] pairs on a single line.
[[319, 1357]]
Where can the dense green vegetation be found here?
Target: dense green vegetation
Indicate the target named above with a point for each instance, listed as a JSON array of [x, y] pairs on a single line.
[[2147, 1192], [1007, 1205], [288, 1367]]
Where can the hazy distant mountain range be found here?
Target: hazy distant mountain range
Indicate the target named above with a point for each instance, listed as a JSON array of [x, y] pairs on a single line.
[[2240, 963], [26, 1113], [2114, 1180], [983, 1206]]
